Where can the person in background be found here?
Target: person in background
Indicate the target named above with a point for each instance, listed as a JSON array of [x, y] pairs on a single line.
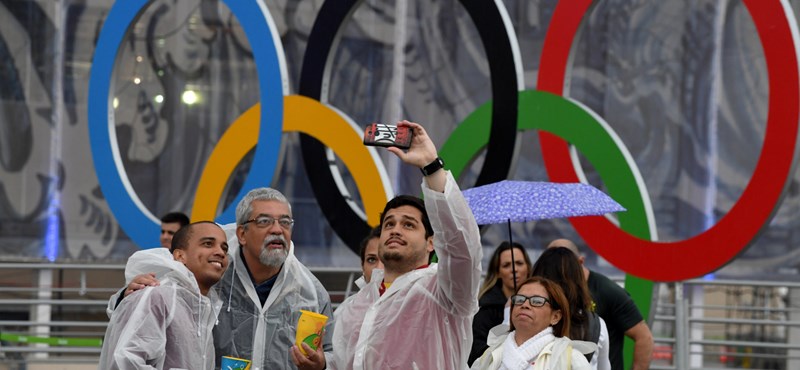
[[620, 313], [369, 256], [497, 288], [170, 326], [562, 267], [170, 224], [412, 314], [537, 337], [369, 261]]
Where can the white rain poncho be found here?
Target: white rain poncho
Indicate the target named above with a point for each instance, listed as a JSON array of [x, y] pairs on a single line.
[[424, 319], [265, 334], [163, 327]]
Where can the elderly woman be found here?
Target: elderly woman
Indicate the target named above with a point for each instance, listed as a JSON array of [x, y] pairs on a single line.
[[497, 287], [539, 321]]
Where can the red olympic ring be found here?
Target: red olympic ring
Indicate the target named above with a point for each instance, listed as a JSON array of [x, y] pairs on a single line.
[[712, 249]]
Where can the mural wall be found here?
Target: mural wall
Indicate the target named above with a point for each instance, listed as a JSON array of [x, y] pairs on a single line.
[[684, 85]]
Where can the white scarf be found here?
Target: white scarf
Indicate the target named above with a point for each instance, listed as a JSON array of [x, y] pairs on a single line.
[[520, 357]]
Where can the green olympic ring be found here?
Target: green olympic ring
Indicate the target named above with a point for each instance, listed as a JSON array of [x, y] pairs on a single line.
[[592, 136], [588, 132]]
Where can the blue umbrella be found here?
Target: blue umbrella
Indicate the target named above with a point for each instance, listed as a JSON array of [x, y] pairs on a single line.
[[522, 201]]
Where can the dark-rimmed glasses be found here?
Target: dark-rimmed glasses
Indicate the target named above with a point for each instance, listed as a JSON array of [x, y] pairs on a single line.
[[266, 221], [535, 301]]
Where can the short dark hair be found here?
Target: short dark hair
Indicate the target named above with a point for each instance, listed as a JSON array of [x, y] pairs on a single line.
[[374, 233], [181, 238], [409, 200], [173, 217]]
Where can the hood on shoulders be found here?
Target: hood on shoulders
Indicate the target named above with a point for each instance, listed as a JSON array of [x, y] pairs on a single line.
[[497, 334], [160, 262], [292, 270], [584, 347]]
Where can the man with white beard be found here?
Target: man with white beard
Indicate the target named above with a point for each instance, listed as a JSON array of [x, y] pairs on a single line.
[[266, 288]]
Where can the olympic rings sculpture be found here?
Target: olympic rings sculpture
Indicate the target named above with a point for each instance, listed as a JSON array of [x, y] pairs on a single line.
[[505, 66], [136, 220], [628, 246], [717, 246]]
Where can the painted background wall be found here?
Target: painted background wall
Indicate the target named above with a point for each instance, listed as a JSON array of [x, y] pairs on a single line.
[[684, 85]]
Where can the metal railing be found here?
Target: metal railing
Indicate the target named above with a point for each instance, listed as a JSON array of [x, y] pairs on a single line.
[[55, 313], [693, 334], [58, 316]]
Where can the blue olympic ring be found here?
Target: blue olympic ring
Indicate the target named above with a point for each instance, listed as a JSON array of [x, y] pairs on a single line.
[[134, 218]]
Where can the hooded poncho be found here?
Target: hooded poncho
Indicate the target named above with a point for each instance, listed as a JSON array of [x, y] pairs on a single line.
[[265, 334], [163, 327], [424, 319]]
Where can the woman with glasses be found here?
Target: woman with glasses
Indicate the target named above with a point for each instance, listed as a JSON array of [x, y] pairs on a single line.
[[497, 287], [537, 335], [562, 267]]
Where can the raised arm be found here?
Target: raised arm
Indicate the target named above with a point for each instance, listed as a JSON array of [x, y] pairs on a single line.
[[458, 245], [456, 236]]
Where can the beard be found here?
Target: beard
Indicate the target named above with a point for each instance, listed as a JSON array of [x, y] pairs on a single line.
[[273, 257], [396, 261], [392, 257]]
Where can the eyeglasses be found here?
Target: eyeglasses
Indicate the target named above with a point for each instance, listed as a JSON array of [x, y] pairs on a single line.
[[266, 221], [535, 301]]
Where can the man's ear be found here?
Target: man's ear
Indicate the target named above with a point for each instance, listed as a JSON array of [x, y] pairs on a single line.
[[179, 255], [429, 244], [582, 259], [240, 234]]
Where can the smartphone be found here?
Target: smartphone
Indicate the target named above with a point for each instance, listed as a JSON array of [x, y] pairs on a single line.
[[381, 134]]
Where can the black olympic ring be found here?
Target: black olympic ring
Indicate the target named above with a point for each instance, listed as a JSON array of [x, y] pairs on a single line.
[[488, 19]]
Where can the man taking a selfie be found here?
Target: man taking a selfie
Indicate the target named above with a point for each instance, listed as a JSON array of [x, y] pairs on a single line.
[[413, 315]]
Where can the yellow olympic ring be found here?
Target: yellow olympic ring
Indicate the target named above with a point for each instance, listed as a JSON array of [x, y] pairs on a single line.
[[301, 114]]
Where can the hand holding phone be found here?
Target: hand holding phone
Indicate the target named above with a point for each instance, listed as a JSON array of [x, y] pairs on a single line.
[[386, 135]]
